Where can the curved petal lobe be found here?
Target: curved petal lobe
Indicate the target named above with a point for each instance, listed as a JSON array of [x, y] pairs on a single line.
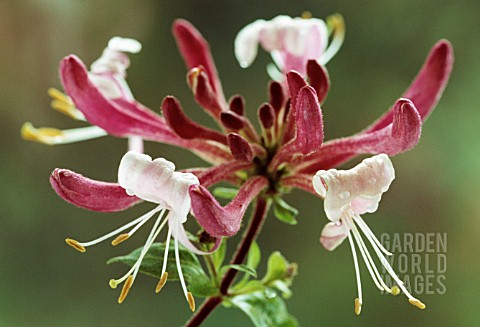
[[90, 194]]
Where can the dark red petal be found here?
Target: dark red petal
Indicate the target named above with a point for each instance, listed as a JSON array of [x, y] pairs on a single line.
[[427, 88], [183, 126], [196, 52], [240, 148], [318, 78], [221, 221], [90, 194], [400, 136]]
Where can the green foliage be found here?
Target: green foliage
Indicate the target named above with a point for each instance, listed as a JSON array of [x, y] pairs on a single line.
[[226, 193], [284, 212], [264, 311], [258, 298], [198, 281]]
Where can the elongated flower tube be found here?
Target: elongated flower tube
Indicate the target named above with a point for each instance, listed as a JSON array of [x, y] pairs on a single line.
[[349, 194], [398, 130], [139, 177], [290, 41], [108, 74]]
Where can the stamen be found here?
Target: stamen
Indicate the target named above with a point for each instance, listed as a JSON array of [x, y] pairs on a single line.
[[165, 255], [120, 238], [188, 295], [372, 268], [191, 301], [392, 273], [140, 220], [358, 306], [113, 283], [417, 303], [395, 290], [357, 271], [125, 289], [44, 135], [161, 282], [75, 244], [366, 257], [336, 26], [52, 136], [63, 104], [58, 95], [369, 234], [306, 15]]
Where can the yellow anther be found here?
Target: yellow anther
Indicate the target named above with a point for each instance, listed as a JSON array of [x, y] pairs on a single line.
[[358, 306], [42, 135], [74, 244], [337, 23], [120, 238], [395, 290], [192, 77], [161, 282], [113, 283], [125, 289], [191, 301], [58, 95], [417, 303], [306, 15]]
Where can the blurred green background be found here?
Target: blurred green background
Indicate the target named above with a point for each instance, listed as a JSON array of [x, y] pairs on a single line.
[[45, 283]]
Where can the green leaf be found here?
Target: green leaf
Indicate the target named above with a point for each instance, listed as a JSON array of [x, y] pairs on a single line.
[[226, 193], [198, 282], [219, 255], [243, 268], [276, 268], [254, 256], [284, 212], [264, 311], [249, 287]]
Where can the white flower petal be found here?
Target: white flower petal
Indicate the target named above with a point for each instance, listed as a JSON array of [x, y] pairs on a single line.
[[333, 235], [178, 231], [359, 188], [156, 181], [246, 43], [124, 44]]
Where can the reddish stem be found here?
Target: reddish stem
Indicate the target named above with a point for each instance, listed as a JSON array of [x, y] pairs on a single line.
[[250, 235]]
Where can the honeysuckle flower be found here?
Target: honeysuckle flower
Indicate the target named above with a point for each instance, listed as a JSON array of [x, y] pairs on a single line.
[[108, 74], [290, 41], [140, 178], [286, 153], [348, 194]]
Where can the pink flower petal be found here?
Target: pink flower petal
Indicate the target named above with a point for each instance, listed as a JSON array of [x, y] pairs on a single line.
[[333, 235], [120, 118], [318, 78], [427, 88], [90, 194], [196, 52], [295, 82], [205, 95], [184, 127], [123, 118], [221, 221], [308, 128], [399, 136], [240, 148], [222, 172]]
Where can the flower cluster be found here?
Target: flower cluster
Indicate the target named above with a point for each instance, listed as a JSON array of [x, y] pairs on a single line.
[[287, 152]]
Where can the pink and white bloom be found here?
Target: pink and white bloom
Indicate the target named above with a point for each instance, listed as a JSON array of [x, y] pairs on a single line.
[[287, 152], [108, 74], [348, 194], [290, 41], [154, 181]]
